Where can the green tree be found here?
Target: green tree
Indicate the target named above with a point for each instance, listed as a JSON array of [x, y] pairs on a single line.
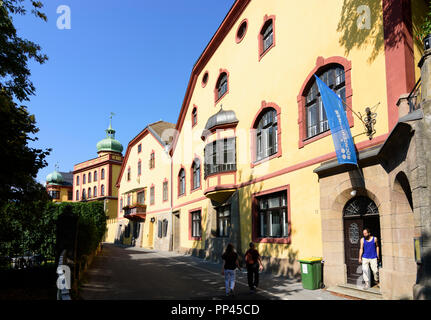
[[21, 163]]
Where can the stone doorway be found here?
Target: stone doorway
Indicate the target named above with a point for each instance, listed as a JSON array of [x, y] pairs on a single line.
[[359, 213]]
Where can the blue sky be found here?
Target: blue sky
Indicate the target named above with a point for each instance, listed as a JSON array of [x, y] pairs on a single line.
[[130, 57]]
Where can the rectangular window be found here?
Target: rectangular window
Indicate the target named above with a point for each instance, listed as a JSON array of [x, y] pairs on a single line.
[[165, 228], [141, 197], [223, 221], [196, 224], [159, 229], [165, 191], [220, 156], [273, 216], [69, 195], [152, 160], [152, 195], [139, 148], [139, 168], [54, 194]]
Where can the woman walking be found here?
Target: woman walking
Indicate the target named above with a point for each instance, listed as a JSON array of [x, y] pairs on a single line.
[[231, 263]]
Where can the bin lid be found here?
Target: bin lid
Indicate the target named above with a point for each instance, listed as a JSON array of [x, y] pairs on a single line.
[[310, 260]]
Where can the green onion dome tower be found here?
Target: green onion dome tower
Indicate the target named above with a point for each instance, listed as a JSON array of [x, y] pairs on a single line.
[[109, 144], [54, 178]]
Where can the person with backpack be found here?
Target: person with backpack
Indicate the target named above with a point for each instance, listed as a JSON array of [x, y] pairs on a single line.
[[254, 265], [228, 270]]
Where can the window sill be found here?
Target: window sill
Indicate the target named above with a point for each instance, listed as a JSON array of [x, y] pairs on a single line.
[[219, 173], [196, 238], [256, 163], [273, 240], [262, 54], [196, 189]]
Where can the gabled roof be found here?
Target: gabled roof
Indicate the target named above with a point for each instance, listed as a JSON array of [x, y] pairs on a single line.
[[160, 130], [232, 16]]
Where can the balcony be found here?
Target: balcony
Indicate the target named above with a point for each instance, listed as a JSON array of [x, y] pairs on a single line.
[[135, 211]]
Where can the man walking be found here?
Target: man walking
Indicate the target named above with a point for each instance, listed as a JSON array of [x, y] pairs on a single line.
[[254, 265], [369, 256]]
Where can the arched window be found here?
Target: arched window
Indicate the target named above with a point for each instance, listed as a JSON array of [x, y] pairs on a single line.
[[95, 192], [89, 177], [182, 182], [77, 195], [84, 178], [102, 173], [95, 175], [221, 85], [89, 193], [139, 167], [196, 169], [83, 194], [194, 116], [316, 120], [102, 190], [266, 36], [77, 180], [266, 134]]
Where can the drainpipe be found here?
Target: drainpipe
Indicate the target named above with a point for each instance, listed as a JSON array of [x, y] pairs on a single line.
[[171, 201]]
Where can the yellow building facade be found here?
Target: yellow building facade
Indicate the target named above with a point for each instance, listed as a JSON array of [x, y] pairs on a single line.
[[144, 184], [252, 136], [94, 179], [59, 186]]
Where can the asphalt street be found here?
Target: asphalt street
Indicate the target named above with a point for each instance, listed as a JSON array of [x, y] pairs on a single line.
[[119, 273]]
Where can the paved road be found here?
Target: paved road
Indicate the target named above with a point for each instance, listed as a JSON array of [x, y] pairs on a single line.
[[135, 273]]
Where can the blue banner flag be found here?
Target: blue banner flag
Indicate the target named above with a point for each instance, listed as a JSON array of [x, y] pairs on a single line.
[[337, 120]]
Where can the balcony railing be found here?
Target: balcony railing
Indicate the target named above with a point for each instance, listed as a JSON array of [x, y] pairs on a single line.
[[415, 97], [137, 208]]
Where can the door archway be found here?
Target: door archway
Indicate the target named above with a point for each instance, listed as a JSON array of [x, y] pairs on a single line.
[[358, 213]]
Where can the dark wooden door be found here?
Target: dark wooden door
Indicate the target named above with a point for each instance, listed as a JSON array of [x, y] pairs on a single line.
[[352, 236]]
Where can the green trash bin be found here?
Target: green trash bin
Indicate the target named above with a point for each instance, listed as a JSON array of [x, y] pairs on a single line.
[[311, 273]]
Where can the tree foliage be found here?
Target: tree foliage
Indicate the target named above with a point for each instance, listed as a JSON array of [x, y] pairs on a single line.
[[21, 163], [34, 228]]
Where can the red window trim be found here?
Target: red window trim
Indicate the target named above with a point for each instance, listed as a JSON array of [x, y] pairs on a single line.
[[204, 84], [195, 107], [302, 118], [237, 39], [165, 180], [191, 175], [190, 224], [265, 105], [255, 216], [262, 53], [217, 100], [185, 183]]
